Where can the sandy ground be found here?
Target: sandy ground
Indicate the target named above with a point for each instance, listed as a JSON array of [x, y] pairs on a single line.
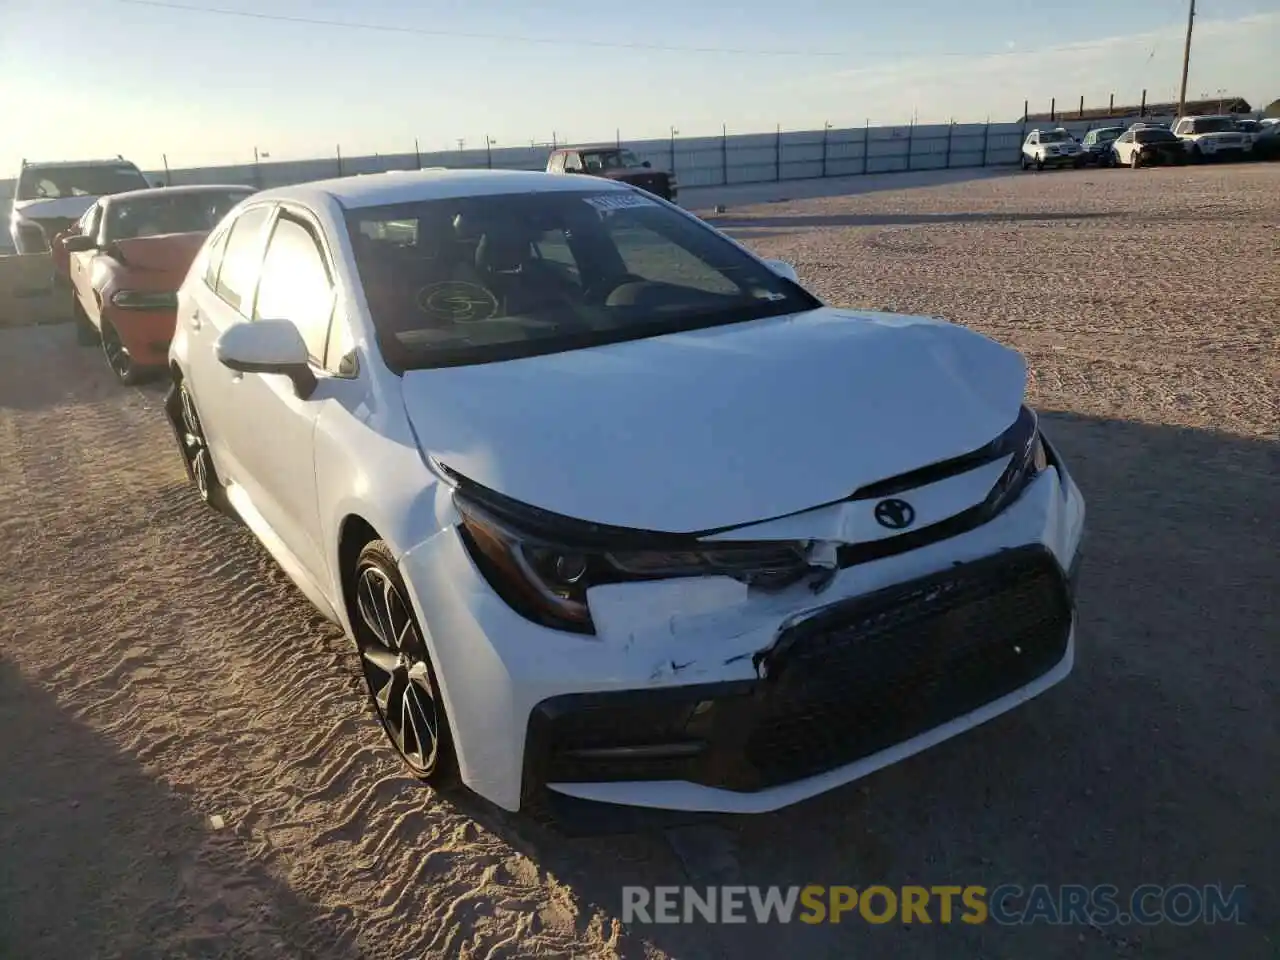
[[156, 669]]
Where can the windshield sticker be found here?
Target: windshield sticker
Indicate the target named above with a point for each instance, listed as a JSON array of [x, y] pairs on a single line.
[[606, 202]]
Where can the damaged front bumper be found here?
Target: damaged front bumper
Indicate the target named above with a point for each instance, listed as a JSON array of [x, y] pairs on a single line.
[[698, 695]]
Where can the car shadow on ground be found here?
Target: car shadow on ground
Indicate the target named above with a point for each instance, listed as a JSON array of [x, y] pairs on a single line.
[[1156, 761], [100, 854]]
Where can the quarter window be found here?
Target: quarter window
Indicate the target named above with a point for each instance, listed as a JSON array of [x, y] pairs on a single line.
[[241, 258], [572, 162], [295, 284]]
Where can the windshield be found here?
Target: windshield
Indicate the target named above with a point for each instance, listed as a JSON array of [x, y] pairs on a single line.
[[163, 212], [1213, 125], [477, 279], [1054, 136], [611, 160], [1108, 134], [49, 183], [1154, 136]]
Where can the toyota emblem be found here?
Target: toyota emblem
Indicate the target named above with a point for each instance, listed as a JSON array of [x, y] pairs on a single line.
[[895, 514]]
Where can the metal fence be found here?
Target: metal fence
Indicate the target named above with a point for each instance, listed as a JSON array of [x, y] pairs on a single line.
[[697, 161]]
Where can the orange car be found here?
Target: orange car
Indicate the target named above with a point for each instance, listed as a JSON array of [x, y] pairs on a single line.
[[126, 263]]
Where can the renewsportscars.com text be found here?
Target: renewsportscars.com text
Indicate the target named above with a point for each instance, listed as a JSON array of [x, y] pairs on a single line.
[[1008, 904]]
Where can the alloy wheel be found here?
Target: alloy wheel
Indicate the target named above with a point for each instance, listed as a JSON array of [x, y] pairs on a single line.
[[117, 355], [393, 658], [194, 447]]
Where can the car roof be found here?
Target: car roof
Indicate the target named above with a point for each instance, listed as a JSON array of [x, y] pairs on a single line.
[[410, 186], [170, 191], [50, 164]]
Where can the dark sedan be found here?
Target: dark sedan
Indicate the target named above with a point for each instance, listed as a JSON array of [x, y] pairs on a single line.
[[1097, 145]]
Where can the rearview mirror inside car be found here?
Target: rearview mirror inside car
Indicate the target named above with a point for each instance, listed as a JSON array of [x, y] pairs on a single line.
[[267, 346]]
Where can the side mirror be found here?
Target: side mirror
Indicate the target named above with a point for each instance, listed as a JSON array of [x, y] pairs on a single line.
[[646, 164], [267, 346], [159, 183], [784, 270], [79, 244]]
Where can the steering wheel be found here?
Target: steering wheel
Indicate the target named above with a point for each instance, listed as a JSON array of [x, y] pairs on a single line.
[[599, 290]]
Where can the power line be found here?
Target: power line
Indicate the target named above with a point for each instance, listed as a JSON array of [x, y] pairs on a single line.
[[608, 44]]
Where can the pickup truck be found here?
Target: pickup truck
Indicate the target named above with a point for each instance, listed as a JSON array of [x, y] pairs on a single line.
[[613, 163]]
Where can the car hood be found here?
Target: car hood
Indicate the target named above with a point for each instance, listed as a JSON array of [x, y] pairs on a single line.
[[62, 207], [722, 426], [171, 253]]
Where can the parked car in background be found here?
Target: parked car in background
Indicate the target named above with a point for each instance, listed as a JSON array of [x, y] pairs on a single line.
[[1051, 148], [614, 163], [1096, 145], [1147, 146], [49, 197], [1266, 144], [125, 266], [1213, 138], [482, 420]]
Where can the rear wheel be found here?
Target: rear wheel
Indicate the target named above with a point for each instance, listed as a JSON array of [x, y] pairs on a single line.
[[118, 359], [195, 449], [397, 668]]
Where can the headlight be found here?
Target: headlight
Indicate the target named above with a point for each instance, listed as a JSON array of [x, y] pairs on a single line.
[[1028, 460], [542, 564], [144, 300]]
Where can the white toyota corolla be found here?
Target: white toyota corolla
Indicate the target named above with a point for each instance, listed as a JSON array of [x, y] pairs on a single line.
[[612, 509]]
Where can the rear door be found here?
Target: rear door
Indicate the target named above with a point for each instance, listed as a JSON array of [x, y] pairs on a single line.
[[224, 299]]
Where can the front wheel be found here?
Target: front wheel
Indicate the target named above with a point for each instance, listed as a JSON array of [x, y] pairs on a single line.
[[398, 670], [1022, 161]]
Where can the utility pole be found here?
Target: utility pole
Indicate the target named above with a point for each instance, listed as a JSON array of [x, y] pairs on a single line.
[[1186, 60]]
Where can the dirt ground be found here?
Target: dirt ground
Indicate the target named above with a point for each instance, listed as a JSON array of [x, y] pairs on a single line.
[[156, 669]]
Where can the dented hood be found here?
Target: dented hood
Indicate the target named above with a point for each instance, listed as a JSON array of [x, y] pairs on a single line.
[[723, 426]]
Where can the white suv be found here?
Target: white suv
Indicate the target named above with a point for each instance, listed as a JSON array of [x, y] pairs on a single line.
[[1051, 147], [1213, 138], [51, 196]]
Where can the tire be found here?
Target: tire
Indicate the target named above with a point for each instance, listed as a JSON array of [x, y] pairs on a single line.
[[86, 333], [1195, 154], [397, 668], [180, 407], [121, 363], [1134, 162], [1022, 161]]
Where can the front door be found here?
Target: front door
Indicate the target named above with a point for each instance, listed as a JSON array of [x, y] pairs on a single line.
[[274, 428]]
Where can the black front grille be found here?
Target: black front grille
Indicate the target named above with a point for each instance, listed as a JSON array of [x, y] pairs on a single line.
[[866, 674], [854, 678]]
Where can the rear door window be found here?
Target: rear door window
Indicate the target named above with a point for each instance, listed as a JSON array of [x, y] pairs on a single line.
[[242, 258]]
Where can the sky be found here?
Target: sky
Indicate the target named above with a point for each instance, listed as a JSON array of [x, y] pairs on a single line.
[[148, 80]]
